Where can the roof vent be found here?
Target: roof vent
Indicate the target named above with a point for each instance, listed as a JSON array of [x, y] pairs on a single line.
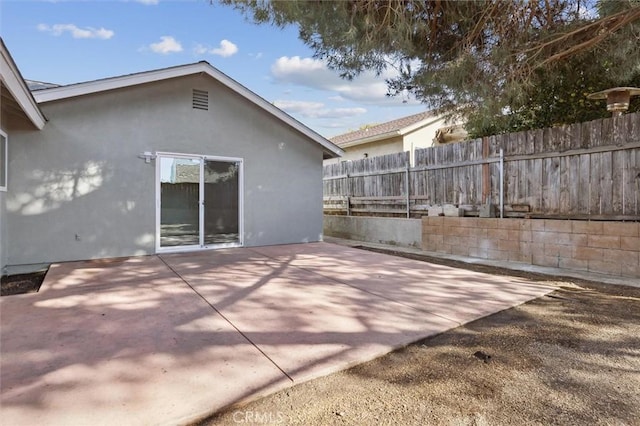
[[200, 99]]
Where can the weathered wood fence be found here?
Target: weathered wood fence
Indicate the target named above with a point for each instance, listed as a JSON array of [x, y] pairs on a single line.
[[581, 171]]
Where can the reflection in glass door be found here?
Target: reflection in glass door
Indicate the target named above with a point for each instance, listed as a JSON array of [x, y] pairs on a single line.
[[198, 202], [179, 201], [221, 189]]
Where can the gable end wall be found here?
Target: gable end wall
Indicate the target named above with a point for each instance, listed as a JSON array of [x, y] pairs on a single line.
[[79, 190]]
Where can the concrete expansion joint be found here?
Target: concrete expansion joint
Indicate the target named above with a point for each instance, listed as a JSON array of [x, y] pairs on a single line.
[[225, 318]]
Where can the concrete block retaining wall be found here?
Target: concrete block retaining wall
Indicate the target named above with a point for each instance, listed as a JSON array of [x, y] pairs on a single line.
[[604, 247], [383, 230]]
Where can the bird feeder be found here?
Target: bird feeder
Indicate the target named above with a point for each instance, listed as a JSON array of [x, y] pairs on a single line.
[[617, 98]]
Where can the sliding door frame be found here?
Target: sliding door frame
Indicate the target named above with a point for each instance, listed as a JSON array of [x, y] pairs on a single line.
[[201, 202]]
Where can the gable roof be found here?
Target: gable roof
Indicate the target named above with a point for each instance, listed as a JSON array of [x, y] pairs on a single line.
[[18, 94], [398, 127], [202, 67]]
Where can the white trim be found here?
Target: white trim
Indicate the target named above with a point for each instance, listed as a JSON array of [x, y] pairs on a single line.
[[419, 125], [12, 79], [374, 138], [201, 245], [5, 166], [395, 133], [80, 89]]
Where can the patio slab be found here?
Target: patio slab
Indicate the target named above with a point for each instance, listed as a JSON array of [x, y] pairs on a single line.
[[165, 339], [308, 325], [457, 294], [125, 342]]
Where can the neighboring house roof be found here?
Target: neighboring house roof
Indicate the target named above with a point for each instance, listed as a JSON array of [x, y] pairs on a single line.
[[202, 67], [16, 96], [39, 85], [398, 127]]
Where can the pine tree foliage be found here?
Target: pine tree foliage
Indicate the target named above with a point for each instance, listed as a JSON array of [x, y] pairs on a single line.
[[503, 65]]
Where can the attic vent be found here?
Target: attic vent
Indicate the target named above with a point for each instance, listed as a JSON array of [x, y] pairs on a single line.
[[200, 99]]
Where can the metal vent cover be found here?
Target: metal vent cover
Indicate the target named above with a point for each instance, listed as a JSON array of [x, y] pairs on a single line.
[[200, 99]]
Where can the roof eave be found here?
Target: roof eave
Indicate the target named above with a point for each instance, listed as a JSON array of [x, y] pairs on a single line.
[[419, 125], [64, 92], [374, 138], [13, 80]]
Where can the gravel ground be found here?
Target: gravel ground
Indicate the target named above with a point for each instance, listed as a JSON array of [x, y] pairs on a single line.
[[572, 357]]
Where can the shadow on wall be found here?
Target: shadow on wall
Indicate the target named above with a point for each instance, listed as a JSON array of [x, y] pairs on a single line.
[[84, 211]]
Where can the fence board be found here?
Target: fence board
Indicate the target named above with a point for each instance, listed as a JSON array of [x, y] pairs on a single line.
[[581, 170], [583, 183], [617, 175], [552, 195], [594, 185], [606, 183], [629, 185]]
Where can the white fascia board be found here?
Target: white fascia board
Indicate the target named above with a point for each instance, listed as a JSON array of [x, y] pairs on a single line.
[[375, 138], [96, 86], [15, 84], [57, 93]]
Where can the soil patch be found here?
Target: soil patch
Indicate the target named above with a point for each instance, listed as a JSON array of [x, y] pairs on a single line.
[[21, 283], [572, 357]]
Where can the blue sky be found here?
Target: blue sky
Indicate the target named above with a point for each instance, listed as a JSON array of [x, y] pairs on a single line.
[[67, 42]]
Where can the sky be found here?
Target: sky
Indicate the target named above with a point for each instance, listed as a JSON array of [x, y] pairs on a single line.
[[65, 42]]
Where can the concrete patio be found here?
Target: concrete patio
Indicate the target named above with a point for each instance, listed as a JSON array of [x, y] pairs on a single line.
[[168, 339]]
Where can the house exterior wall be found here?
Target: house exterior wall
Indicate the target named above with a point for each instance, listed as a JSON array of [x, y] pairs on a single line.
[[421, 138], [79, 190], [3, 232], [3, 238], [372, 149]]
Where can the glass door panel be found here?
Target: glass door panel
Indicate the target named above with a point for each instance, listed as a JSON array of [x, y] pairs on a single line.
[[179, 201], [221, 202]]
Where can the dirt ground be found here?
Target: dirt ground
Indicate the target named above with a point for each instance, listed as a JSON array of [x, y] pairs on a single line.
[[572, 357], [22, 283]]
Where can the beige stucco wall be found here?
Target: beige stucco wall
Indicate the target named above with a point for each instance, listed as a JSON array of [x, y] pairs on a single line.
[[3, 238], [3, 233], [422, 138], [79, 190], [372, 149]]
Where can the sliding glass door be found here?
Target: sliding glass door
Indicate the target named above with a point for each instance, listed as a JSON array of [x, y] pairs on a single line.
[[198, 202]]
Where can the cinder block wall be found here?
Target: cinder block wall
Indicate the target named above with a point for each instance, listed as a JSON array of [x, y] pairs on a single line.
[[605, 247], [384, 230]]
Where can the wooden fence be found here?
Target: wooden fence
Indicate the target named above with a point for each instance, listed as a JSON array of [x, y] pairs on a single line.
[[581, 171]]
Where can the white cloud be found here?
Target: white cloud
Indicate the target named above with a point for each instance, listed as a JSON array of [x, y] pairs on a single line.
[[76, 32], [314, 73], [225, 49], [166, 45], [148, 2], [200, 49], [317, 109]]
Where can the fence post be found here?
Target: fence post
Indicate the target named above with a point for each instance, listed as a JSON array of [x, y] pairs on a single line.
[[486, 178], [501, 183], [407, 186], [348, 197]]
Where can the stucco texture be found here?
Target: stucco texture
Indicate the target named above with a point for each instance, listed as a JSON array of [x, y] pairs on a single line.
[[79, 190], [3, 239]]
